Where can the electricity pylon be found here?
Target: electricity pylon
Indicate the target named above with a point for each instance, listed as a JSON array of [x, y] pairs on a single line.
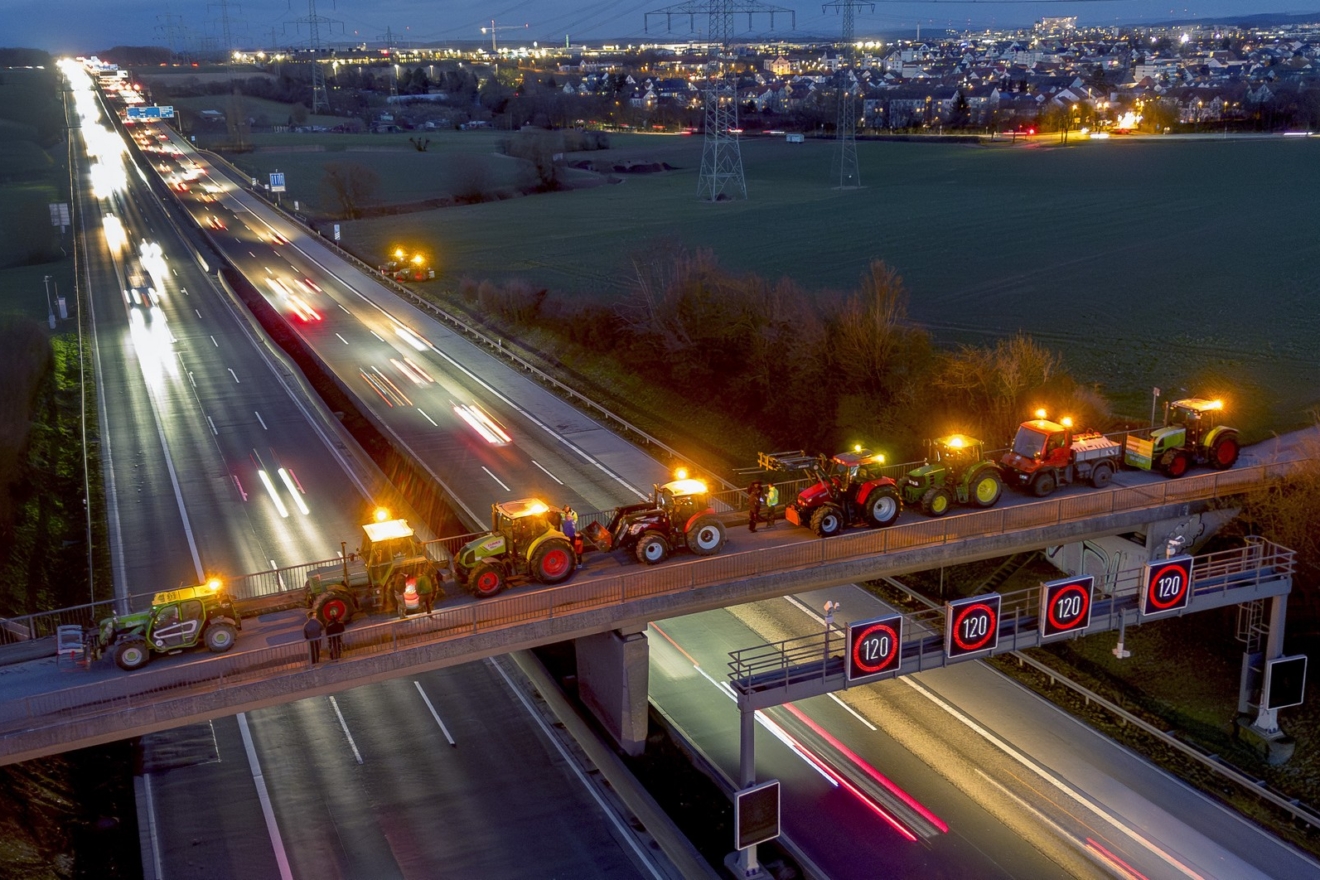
[[313, 21], [721, 157], [847, 174]]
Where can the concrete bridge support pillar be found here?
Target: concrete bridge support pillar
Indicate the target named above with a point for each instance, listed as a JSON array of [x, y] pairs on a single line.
[[613, 672]]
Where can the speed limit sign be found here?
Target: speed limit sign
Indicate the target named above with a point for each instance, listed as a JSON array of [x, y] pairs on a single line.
[[875, 648], [1168, 586], [971, 626]]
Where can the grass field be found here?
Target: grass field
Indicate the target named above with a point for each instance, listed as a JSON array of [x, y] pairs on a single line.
[[1183, 264], [406, 175], [275, 112]]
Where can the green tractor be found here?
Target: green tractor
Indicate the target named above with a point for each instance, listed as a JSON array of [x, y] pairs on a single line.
[[956, 470], [1191, 435], [177, 619], [524, 543], [370, 578]]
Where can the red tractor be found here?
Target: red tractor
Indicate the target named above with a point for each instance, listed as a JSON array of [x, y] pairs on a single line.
[[849, 489]]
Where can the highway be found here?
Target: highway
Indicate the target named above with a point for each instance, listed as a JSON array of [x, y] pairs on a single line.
[[552, 446], [406, 779]]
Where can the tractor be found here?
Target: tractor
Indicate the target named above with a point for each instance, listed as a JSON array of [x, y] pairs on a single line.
[[524, 543], [368, 579], [678, 515], [848, 489], [1191, 435], [956, 470], [177, 619]]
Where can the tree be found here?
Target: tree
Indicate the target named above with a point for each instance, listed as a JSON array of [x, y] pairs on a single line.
[[350, 187]]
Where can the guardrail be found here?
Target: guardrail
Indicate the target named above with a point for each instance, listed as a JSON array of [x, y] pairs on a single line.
[[577, 597]]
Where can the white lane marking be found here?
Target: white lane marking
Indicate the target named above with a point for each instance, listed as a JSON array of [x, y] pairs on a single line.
[[1043, 819], [851, 711], [260, 419], [341, 305], [184, 290], [435, 714], [344, 724], [425, 416], [213, 342], [199, 313], [581, 453], [263, 795], [577, 771], [176, 272], [151, 826], [235, 375], [495, 478], [191, 379], [1049, 777], [212, 424], [547, 473], [342, 339], [375, 334]]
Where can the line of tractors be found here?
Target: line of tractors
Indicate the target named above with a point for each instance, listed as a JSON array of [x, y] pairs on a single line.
[[529, 540]]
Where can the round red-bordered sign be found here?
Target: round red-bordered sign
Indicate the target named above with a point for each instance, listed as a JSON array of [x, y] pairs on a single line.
[[887, 660], [991, 629], [1152, 598], [1065, 625]]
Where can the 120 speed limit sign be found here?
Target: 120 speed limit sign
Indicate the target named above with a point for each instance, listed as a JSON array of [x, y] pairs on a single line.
[[875, 648], [1168, 586], [971, 626]]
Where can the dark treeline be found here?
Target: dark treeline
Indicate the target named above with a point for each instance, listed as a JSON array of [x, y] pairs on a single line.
[[817, 370]]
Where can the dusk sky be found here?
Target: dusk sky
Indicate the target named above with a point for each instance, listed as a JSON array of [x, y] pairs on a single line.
[[84, 26]]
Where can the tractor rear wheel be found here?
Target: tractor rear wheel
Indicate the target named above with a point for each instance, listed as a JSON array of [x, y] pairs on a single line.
[[986, 488], [553, 562], [652, 549], [1178, 465], [220, 637], [1224, 454], [937, 501], [883, 506], [487, 580], [334, 605], [132, 654], [827, 521], [706, 536], [1102, 475], [1045, 484]]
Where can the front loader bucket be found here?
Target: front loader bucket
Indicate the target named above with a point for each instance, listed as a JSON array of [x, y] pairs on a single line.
[[600, 536]]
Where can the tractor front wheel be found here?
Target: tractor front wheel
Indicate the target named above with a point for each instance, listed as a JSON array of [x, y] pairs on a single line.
[[220, 637], [986, 488], [1178, 465], [706, 536], [936, 502], [334, 605], [1224, 454], [883, 506], [553, 562], [1045, 484], [827, 521], [487, 580], [132, 654], [652, 549]]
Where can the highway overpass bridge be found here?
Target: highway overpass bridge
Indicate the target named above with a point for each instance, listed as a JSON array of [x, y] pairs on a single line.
[[45, 710]]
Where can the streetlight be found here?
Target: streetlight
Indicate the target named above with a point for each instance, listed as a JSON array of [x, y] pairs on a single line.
[[49, 307]]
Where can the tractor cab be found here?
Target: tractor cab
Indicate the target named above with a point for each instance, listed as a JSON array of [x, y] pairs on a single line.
[[520, 523], [682, 499], [389, 544], [955, 470], [1041, 440], [859, 466], [1194, 416], [955, 452]]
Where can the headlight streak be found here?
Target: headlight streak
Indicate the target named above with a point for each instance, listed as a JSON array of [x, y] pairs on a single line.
[[483, 424], [297, 496], [274, 496], [409, 337]]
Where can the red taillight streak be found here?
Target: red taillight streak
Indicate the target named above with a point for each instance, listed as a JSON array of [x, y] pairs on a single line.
[[1115, 860], [675, 644], [857, 793], [870, 771]]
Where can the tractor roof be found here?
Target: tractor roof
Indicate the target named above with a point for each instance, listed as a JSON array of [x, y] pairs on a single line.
[[958, 441], [390, 528], [859, 457], [1199, 404], [200, 591], [522, 507], [682, 488]]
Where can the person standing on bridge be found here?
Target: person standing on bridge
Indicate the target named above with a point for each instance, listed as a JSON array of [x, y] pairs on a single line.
[[568, 523], [335, 630], [753, 504], [312, 633]]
